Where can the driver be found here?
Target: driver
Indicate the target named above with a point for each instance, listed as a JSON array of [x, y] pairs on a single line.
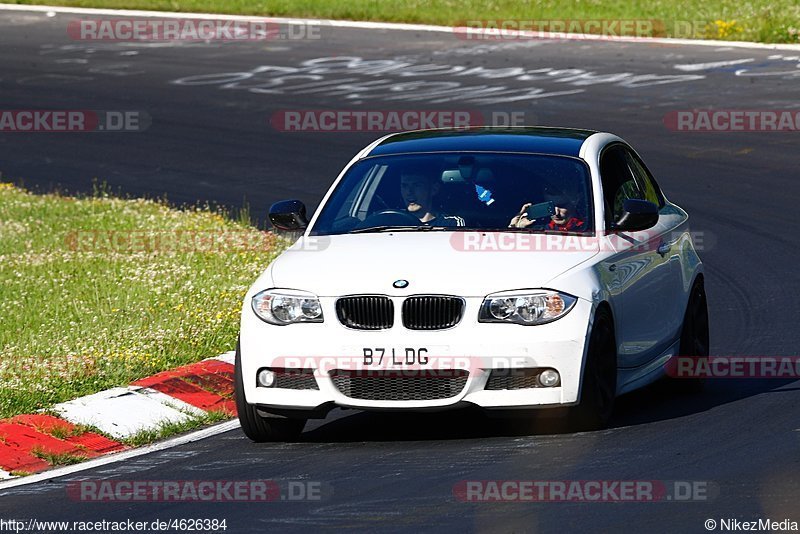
[[418, 190], [563, 218]]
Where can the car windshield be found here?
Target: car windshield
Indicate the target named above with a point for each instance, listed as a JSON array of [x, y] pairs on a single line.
[[460, 191]]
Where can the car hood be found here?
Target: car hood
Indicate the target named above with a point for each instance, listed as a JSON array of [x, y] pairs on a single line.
[[469, 264]]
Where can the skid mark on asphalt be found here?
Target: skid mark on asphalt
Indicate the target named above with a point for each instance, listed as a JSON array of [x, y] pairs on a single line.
[[51, 80], [356, 78], [694, 67]]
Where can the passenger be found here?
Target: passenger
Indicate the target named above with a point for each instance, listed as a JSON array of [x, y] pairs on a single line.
[[418, 190], [562, 219]]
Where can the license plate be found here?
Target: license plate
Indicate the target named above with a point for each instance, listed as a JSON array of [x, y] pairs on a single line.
[[399, 357]]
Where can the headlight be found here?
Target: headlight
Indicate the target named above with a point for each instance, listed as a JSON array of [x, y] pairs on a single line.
[[287, 306], [528, 308]]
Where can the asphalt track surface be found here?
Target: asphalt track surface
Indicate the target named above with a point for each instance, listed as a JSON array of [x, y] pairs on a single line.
[[397, 472]]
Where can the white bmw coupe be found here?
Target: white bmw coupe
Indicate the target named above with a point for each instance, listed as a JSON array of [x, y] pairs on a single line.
[[506, 269]]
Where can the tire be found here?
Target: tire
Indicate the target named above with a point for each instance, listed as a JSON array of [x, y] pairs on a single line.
[[694, 336], [255, 426], [599, 384]]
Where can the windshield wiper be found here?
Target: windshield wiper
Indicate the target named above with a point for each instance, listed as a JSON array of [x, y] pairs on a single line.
[[428, 228], [544, 231], [387, 228]]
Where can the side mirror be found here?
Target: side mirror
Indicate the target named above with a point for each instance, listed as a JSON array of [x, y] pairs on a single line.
[[288, 215], [637, 215]]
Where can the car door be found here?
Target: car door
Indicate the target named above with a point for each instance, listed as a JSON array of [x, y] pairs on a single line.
[[641, 280], [670, 231]]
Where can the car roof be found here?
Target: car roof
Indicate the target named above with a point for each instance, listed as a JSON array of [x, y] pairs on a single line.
[[541, 140]]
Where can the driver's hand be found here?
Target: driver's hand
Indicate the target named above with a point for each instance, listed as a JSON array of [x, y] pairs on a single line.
[[520, 220]]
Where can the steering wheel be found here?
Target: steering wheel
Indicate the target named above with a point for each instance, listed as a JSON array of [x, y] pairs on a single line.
[[377, 198], [390, 217]]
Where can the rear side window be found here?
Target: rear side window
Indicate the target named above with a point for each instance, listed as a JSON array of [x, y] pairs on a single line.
[[624, 177], [618, 181], [644, 180]]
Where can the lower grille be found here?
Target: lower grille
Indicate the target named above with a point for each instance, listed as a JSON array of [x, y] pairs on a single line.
[[366, 312], [514, 378], [432, 312], [294, 378], [400, 385]]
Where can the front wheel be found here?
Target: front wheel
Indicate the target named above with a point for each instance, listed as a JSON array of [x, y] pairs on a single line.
[[599, 384], [255, 426]]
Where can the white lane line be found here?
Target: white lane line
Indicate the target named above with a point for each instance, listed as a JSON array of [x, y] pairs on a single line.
[[50, 10], [121, 456], [693, 67]]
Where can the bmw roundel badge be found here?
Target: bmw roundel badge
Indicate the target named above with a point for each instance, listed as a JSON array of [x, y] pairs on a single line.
[[400, 284]]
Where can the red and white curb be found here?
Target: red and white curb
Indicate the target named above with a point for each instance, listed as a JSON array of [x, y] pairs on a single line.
[[27, 442]]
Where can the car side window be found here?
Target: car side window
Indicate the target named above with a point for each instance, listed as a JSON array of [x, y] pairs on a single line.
[[643, 179], [619, 182]]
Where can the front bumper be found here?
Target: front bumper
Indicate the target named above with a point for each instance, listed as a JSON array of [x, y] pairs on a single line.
[[477, 348]]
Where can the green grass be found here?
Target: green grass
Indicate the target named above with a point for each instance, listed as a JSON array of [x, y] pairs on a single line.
[[167, 429], [81, 316], [772, 21], [58, 458], [62, 432]]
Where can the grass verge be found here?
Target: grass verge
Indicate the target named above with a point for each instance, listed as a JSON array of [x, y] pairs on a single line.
[[167, 429], [97, 292], [56, 459], [770, 21]]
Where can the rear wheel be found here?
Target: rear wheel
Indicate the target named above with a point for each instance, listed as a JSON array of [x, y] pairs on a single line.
[[694, 336], [255, 426], [599, 384]]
